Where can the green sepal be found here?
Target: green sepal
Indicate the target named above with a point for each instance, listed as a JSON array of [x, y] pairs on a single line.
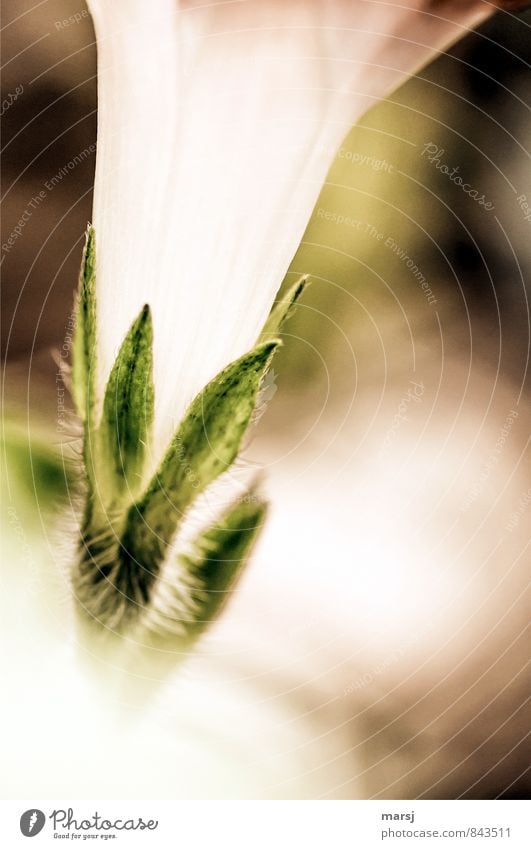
[[127, 419], [205, 445], [84, 341], [124, 539], [221, 554], [210, 573], [282, 310]]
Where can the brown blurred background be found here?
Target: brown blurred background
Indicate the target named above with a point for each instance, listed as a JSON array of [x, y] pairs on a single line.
[[472, 103]]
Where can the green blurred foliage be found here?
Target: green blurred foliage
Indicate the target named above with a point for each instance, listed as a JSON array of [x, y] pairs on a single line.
[[36, 477]]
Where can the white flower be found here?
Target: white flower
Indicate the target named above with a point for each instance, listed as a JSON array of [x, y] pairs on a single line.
[[216, 126]]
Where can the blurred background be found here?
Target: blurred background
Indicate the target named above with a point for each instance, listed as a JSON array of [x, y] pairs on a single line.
[[377, 645]]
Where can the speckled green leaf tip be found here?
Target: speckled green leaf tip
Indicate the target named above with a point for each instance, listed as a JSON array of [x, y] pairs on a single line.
[[212, 567], [220, 554], [127, 419], [205, 445], [84, 342], [130, 522]]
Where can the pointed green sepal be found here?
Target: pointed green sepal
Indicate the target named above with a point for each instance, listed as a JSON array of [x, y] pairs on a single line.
[[84, 342], [126, 424], [221, 554], [282, 310], [205, 445], [209, 575]]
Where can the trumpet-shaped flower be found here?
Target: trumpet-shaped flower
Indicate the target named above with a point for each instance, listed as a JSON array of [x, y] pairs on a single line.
[[217, 124]]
